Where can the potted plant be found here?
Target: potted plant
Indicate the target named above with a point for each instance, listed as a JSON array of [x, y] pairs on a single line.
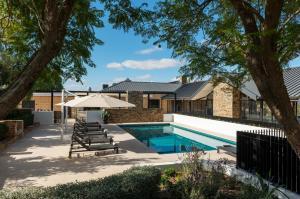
[[105, 116]]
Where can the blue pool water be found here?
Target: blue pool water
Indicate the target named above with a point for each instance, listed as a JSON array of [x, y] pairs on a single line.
[[167, 138]]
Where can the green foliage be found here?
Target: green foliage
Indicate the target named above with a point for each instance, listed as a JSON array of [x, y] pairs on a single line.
[[170, 172], [22, 114], [196, 181], [105, 116], [262, 191], [171, 183], [3, 131], [138, 182], [21, 32]]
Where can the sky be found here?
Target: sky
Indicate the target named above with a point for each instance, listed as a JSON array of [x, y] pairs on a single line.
[[124, 55]]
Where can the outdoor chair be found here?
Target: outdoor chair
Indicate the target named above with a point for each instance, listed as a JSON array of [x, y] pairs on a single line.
[[90, 126], [228, 148], [91, 143], [85, 130], [92, 135]]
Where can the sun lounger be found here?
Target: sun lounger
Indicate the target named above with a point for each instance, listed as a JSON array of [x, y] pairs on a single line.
[[84, 130], [228, 148], [91, 143], [91, 126]]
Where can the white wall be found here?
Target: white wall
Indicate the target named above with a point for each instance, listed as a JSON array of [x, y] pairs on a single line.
[[94, 116], [90, 116], [219, 127], [44, 117], [168, 117]]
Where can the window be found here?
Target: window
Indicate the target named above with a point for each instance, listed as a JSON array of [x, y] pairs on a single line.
[[154, 103]]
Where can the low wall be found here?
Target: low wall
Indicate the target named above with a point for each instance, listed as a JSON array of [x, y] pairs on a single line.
[[15, 127], [133, 115], [219, 127], [43, 117]]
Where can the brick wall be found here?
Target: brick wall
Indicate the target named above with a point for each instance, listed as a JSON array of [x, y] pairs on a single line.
[[137, 114], [226, 101], [44, 102]]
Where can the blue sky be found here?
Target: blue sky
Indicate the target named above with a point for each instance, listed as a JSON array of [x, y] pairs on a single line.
[[124, 55]]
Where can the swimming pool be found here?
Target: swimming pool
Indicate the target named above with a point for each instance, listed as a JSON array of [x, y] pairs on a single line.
[[169, 138]]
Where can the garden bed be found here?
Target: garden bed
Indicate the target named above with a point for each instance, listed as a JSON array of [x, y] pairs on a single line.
[[190, 181]]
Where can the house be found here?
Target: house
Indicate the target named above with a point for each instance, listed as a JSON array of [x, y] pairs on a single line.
[[204, 98], [199, 98]]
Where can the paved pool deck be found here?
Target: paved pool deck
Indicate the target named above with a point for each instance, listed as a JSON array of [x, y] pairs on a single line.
[[40, 158]]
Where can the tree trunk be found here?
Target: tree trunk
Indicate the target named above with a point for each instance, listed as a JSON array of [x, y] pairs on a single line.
[[273, 91], [18, 90], [264, 67], [55, 23]]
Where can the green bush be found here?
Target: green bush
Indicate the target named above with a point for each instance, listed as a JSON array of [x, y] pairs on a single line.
[[138, 182], [3, 131], [22, 114]]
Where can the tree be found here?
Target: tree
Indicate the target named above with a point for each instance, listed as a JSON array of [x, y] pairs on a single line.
[[256, 37], [48, 35]]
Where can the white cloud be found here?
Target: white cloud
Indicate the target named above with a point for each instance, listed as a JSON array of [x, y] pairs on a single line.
[[149, 64], [114, 65], [148, 51]]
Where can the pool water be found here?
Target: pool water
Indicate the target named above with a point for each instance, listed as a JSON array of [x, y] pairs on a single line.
[[168, 138]]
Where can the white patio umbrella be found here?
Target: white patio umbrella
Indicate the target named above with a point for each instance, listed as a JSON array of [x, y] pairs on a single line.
[[98, 100]]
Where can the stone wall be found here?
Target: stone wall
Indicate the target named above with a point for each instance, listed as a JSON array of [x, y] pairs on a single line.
[[130, 115], [226, 101], [137, 114]]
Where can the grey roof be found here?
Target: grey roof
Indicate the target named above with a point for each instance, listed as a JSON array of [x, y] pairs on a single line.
[[292, 81], [291, 78], [143, 86], [187, 91]]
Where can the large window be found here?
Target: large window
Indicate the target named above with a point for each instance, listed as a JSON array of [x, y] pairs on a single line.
[[154, 103]]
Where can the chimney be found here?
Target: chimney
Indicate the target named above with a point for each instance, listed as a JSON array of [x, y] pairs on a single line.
[[183, 79], [104, 86]]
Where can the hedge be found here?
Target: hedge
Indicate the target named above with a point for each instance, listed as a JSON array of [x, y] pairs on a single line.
[[22, 114], [135, 183], [3, 131]]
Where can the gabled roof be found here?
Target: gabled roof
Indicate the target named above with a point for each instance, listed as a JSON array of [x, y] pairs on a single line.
[[155, 87], [188, 91], [292, 81], [291, 78]]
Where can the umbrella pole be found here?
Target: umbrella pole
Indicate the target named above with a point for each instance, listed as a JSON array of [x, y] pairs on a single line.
[[62, 112]]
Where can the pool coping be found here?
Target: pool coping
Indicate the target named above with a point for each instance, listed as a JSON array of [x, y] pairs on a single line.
[[180, 127], [231, 139], [204, 134]]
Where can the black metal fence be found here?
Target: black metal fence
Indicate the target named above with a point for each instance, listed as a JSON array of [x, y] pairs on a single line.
[[267, 153]]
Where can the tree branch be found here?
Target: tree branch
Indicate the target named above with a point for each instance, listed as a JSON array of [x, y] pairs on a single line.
[[272, 14], [249, 7], [248, 20], [203, 5], [289, 19]]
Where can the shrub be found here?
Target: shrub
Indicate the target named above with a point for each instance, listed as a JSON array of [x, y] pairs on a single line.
[[22, 114], [3, 131], [171, 183], [138, 182]]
